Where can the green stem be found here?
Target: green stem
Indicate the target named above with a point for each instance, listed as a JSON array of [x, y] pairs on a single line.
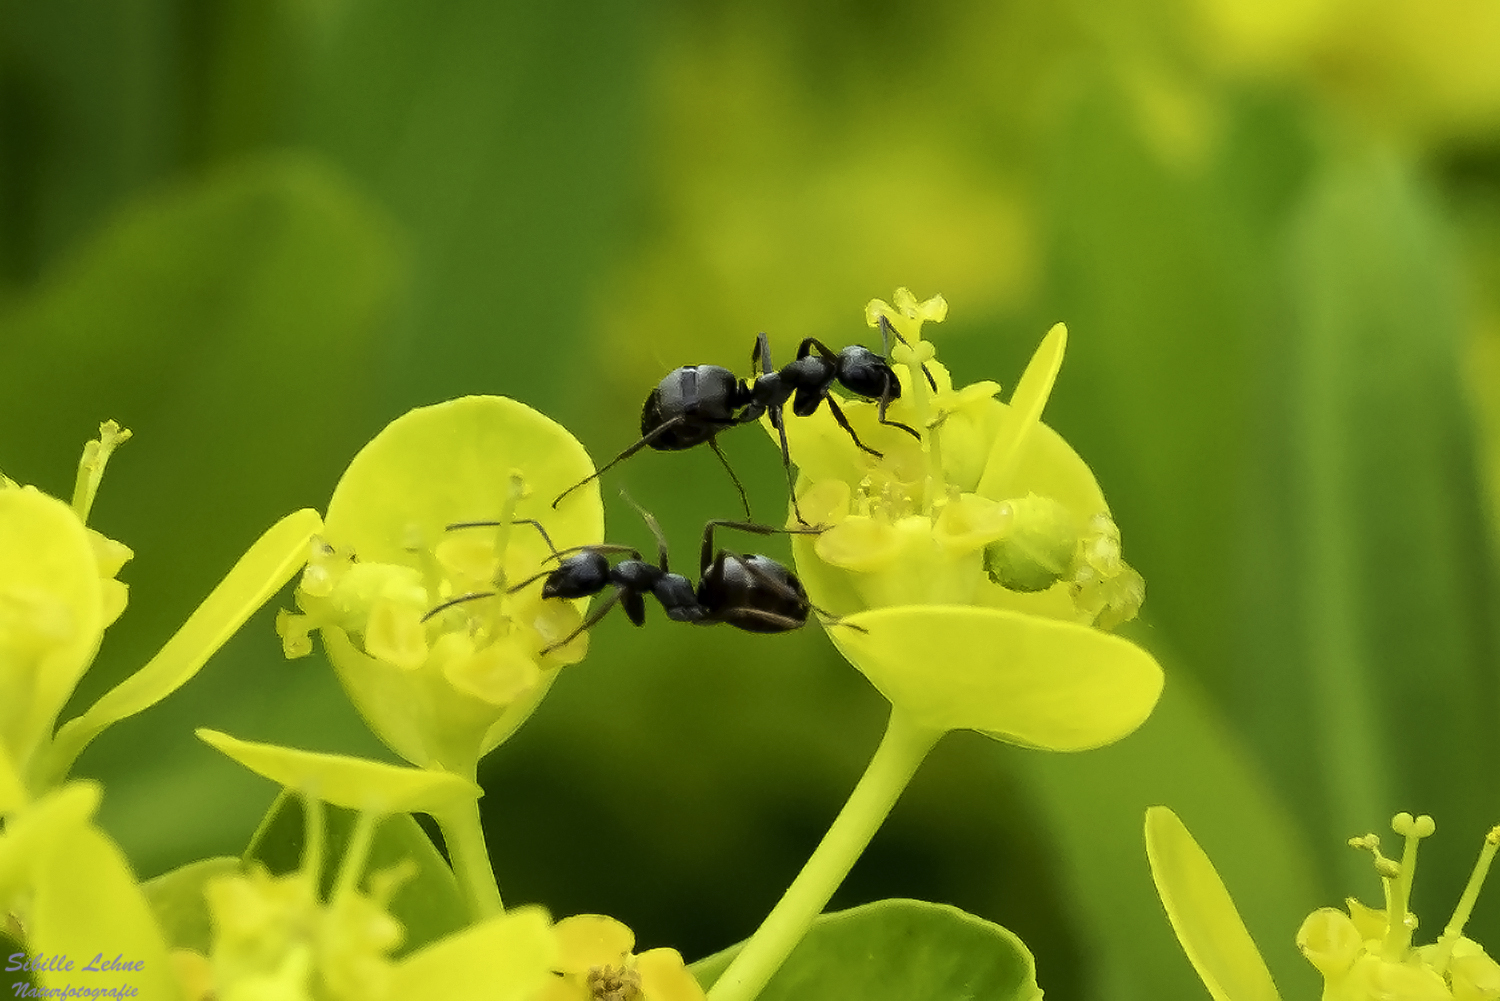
[[901, 750], [470, 859]]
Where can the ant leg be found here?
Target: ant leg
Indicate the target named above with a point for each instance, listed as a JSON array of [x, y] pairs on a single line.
[[886, 330], [588, 623], [778, 421], [810, 343], [706, 557], [838, 415], [885, 401], [646, 439], [783, 623], [713, 443], [474, 596]]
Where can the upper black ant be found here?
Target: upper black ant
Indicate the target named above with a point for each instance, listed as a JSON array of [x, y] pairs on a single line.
[[806, 382], [754, 593], [694, 403]]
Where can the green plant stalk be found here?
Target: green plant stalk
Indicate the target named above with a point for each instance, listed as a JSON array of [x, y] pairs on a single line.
[[470, 860], [901, 750]]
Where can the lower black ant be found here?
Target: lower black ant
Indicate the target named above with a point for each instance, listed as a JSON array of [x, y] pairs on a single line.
[[754, 593], [692, 404]]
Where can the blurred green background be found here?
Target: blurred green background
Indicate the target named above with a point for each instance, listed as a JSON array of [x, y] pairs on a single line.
[[256, 231]]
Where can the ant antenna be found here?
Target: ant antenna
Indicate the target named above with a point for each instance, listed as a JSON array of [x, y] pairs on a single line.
[[651, 523], [886, 330], [646, 439]]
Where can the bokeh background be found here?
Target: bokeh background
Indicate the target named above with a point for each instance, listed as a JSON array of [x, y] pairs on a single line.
[[255, 231]]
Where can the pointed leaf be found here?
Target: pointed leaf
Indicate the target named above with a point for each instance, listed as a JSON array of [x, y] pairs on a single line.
[[259, 574], [354, 783], [1203, 915]]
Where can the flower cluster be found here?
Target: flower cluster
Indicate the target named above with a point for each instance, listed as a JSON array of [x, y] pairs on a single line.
[[441, 657], [976, 561], [1364, 953]]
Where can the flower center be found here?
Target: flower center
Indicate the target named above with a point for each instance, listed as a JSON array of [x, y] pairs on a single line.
[[614, 983]]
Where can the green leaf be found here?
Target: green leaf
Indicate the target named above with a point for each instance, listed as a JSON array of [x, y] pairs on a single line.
[[1020, 678], [353, 783], [428, 906], [902, 950], [176, 898], [259, 574]]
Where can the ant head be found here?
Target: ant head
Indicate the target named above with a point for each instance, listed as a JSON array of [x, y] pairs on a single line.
[[865, 373]]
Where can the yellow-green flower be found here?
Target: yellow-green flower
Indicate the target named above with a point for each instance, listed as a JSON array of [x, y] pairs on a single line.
[[596, 964], [1363, 953], [58, 593], [68, 890], [977, 566], [275, 940], [442, 690]]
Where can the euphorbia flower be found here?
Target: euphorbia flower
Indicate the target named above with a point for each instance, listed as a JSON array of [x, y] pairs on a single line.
[[58, 593], [275, 939], [68, 890], [596, 964], [972, 569], [977, 566], [442, 690], [1364, 954]]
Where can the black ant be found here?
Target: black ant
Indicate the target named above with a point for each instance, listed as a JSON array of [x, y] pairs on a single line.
[[754, 593], [692, 404], [806, 382]]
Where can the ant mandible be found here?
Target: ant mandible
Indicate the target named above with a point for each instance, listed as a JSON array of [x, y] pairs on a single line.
[[692, 404], [754, 593]]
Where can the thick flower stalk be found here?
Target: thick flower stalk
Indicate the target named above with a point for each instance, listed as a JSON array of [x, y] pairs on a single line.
[[1364, 953], [974, 568], [58, 593]]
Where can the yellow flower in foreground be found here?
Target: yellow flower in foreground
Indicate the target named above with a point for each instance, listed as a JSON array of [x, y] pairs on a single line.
[[596, 965], [442, 690], [58, 593], [977, 564], [1364, 954]]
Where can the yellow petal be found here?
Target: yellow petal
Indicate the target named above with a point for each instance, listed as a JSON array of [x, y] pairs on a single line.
[[499, 674], [507, 958], [51, 615], [589, 940], [12, 793], [1203, 915], [452, 462], [1026, 405], [1330, 941], [353, 783], [1019, 678], [665, 978], [268, 564]]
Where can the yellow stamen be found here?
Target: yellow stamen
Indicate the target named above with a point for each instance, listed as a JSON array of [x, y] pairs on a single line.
[[91, 466], [1399, 922]]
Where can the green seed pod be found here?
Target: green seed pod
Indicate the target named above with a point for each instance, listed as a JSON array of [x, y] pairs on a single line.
[[1040, 549]]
